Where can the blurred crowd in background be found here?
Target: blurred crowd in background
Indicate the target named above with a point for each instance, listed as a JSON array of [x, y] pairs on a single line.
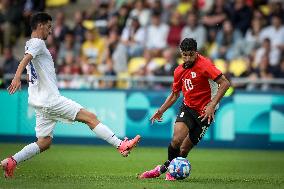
[[131, 38]]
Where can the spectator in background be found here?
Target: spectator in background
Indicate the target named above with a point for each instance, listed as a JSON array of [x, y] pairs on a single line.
[[70, 65], [211, 45], [175, 29], [89, 13], [204, 6], [157, 33], [79, 30], [71, 82], [122, 13], [276, 7], [60, 28], [169, 6], [157, 5], [52, 46], [274, 33], [111, 6], [250, 69], [252, 37], [216, 16], [171, 63], [93, 48], [30, 7], [258, 14], [263, 71], [142, 70], [141, 12], [116, 55], [266, 49], [101, 14], [10, 63], [116, 58], [194, 30], [66, 69], [68, 46], [10, 20], [112, 24], [240, 15], [101, 17], [228, 42], [133, 37], [279, 71]]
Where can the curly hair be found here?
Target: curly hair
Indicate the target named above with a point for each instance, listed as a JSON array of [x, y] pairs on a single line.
[[188, 44]]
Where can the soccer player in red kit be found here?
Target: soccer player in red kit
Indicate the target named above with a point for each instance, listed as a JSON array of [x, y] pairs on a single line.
[[203, 86]]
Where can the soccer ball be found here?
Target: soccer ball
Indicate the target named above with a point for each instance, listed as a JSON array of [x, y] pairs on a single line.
[[179, 168]]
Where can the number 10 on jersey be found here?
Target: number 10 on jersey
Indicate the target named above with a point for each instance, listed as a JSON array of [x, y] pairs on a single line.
[[188, 84]]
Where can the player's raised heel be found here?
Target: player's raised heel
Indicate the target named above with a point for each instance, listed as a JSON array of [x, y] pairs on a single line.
[[9, 166], [127, 145], [154, 173]]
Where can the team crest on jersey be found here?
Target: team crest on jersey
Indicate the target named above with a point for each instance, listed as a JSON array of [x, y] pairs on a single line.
[[193, 75]]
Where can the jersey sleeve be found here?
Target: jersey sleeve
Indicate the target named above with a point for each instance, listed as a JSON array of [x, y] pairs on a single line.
[[177, 84], [34, 48], [211, 71]]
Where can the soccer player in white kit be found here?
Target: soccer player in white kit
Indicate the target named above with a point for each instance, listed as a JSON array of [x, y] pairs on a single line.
[[49, 105]]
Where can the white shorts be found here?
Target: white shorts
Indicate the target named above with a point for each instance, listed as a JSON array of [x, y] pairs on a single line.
[[63, 109]]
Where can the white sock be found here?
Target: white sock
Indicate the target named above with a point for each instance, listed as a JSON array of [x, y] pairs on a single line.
[[27, 152], [106, 134]]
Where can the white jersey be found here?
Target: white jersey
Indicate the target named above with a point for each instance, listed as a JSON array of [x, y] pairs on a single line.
[[43, 84]]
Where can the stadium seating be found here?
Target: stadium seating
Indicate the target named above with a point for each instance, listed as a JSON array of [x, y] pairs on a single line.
[[237, 67], [121, 83], [135, 64], [221, 65]]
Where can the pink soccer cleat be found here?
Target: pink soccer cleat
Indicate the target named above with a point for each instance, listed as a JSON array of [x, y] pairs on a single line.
[[154, 173], [169, 177], [9, 166], [127, 145]]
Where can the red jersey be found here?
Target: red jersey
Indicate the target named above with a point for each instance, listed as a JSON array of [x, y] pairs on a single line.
[[197, 83]]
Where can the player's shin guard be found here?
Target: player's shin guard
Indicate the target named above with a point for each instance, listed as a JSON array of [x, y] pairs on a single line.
[[172, 154]]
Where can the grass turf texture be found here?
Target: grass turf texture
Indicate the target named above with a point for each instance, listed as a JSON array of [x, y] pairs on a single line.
[[69, 166]]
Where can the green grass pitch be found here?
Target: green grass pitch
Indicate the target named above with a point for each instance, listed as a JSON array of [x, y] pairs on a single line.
[[71, 166]]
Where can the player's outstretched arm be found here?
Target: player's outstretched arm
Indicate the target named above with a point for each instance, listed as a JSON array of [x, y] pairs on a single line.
[[16, 82], [209, 110], [172, 98]]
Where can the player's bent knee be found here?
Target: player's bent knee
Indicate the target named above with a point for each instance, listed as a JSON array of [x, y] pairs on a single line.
[[93, 117], [92, 121], [176, 143], [86, 117], [44, 143]]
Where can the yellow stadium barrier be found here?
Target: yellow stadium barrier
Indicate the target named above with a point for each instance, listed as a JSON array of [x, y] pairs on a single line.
[[56, 3]]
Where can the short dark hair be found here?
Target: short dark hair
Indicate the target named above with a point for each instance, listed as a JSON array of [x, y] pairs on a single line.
[[156, 13], [39, 18], [188, 44]]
